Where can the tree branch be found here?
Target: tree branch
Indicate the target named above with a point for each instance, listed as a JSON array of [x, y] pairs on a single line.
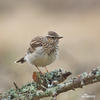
[[51, 84]]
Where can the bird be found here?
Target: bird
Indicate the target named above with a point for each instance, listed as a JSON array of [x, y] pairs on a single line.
[[42, 50]]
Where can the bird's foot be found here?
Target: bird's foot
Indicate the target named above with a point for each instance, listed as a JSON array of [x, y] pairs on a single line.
[[46, 69], [39, 70]]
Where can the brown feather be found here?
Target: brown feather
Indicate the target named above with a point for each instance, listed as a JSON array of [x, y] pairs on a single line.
[[36, 42]]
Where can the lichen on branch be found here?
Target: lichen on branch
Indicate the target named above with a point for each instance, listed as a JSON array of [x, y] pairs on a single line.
[[51, 84]]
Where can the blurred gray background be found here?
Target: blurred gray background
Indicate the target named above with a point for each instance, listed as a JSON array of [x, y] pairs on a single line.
[[78, 21]]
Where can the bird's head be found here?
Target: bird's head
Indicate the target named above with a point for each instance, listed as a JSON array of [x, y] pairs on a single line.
[[53, 37]]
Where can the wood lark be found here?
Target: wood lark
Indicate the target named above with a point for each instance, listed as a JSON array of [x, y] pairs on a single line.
[[42, 51]]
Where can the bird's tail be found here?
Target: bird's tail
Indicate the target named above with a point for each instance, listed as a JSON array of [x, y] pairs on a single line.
[[22, 60]]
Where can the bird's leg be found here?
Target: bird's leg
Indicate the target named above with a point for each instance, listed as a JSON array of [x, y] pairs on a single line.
[[46, 69], [39, 69]]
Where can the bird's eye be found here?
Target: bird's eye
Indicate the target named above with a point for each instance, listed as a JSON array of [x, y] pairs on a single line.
[[53, 37]]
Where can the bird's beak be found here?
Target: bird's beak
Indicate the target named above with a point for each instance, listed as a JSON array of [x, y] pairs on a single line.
[[60, 37]]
